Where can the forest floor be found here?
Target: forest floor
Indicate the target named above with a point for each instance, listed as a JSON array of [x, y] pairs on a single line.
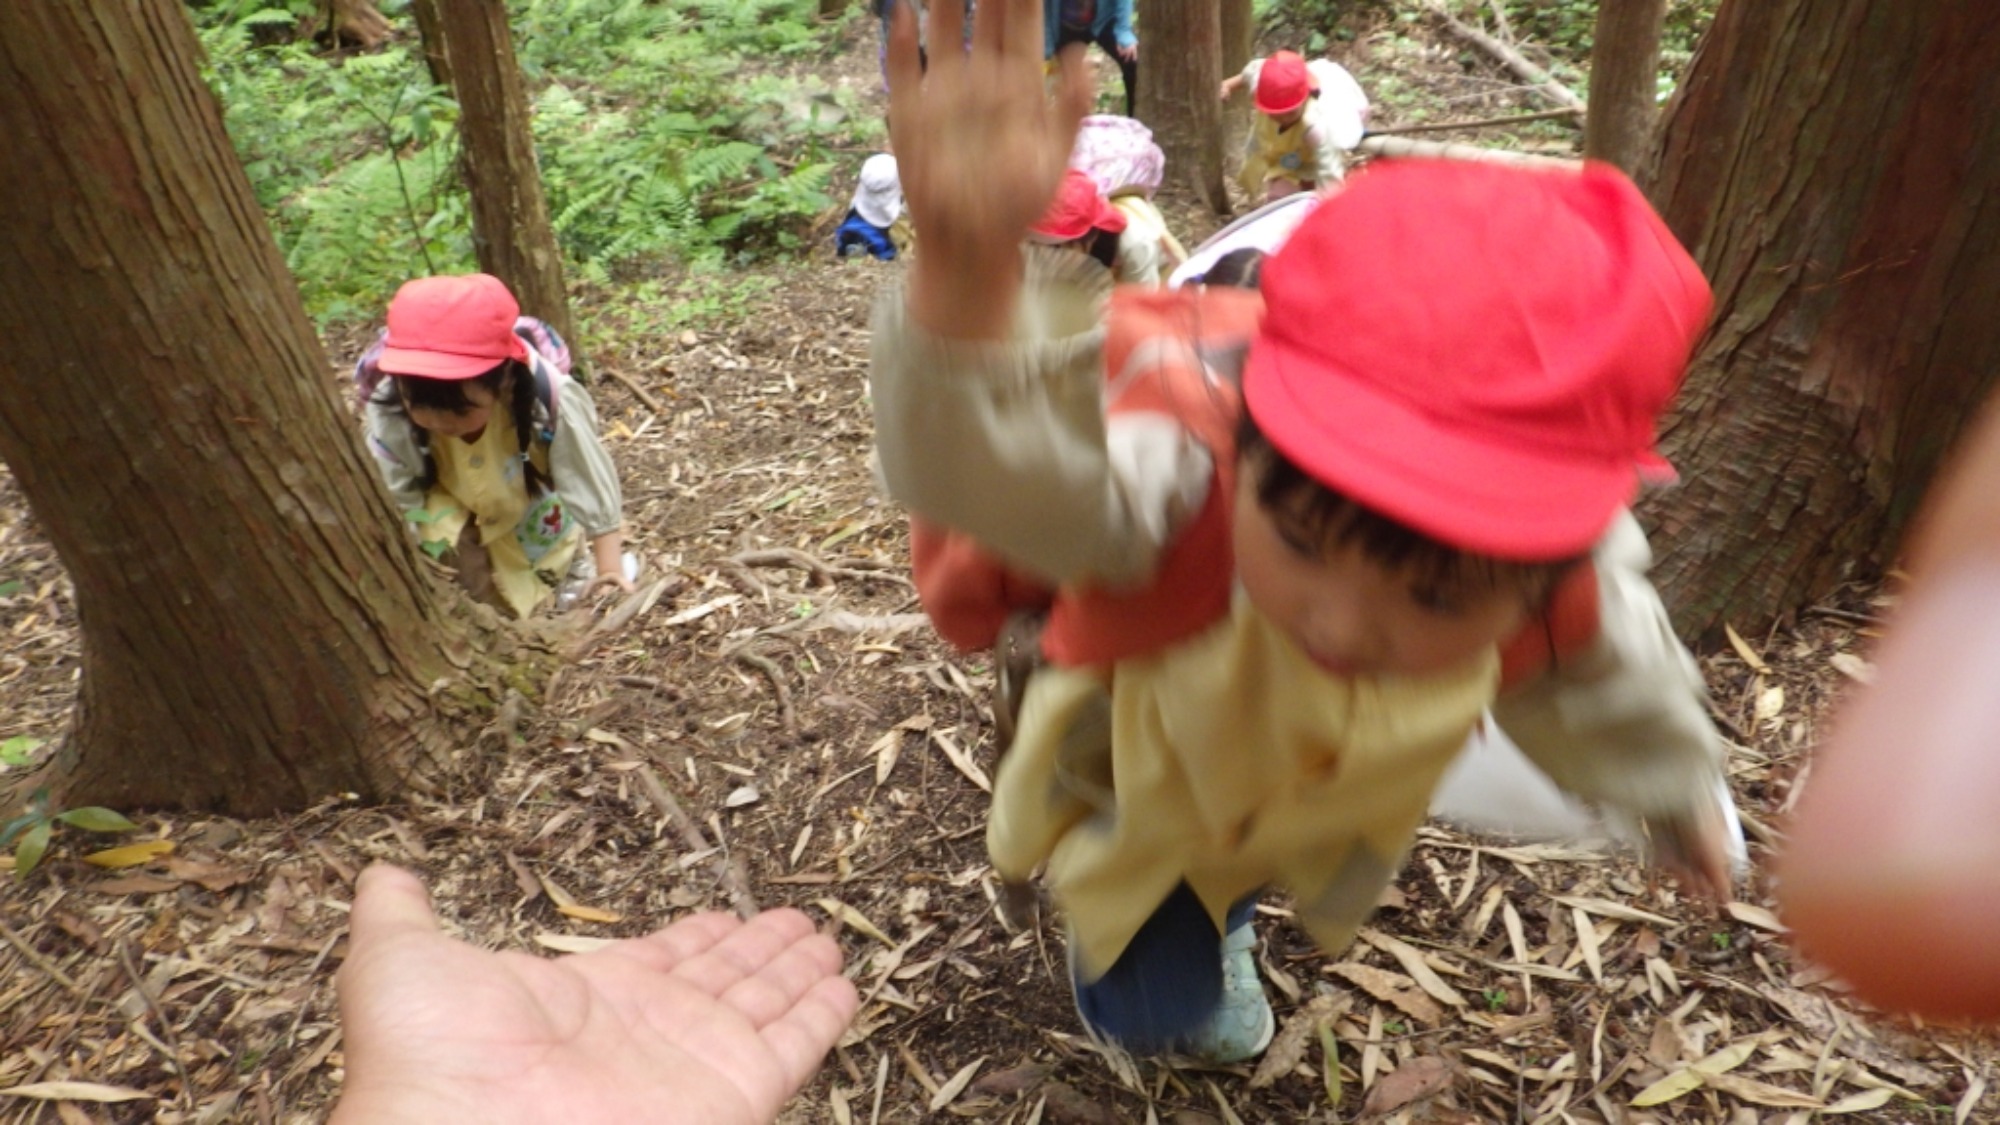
[[836, 757]]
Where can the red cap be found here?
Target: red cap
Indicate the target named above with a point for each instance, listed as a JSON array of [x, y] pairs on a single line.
[[1283, 83], [1078, 207], [1479, 352], [451, 328]]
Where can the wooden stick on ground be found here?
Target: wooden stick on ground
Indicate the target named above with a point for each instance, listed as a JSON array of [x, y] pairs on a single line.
[[643, 394], [1512, 59], [1482, 123], [733, 879], [1377, 145]]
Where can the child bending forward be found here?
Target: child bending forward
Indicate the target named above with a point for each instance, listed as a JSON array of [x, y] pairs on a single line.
[[1278, 582], [489, 444]]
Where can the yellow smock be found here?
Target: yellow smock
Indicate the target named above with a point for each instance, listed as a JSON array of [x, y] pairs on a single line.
[[482, 480], [1232, 762]]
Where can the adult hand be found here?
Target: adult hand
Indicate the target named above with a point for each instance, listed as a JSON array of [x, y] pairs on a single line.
[[980, 150], [1891, 873], [710, 1020], [1129, 52]]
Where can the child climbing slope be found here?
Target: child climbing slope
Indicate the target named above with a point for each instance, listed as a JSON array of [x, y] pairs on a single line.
[[1277, 589], [490, 444]]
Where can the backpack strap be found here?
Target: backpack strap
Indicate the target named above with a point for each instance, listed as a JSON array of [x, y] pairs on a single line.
[[1568, 626]]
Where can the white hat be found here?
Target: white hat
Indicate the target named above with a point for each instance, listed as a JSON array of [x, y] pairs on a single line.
[[879, 198]]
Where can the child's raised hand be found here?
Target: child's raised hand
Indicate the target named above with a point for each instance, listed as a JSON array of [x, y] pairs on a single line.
[[980, 149]]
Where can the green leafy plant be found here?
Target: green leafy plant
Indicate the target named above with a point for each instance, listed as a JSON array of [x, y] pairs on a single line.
[[19, 750], [36, 827], [1496, 999], [663, 146]]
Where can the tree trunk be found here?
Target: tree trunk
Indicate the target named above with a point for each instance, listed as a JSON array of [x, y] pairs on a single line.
[[356, 22], [1239, 43], [1624, 80], [511, 232], [257, 629], [1177, 101], [1828, 162]]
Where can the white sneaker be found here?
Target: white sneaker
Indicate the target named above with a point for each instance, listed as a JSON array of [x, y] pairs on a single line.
[[1242, 1024]]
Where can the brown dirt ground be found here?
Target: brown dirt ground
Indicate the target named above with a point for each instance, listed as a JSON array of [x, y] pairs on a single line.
[[826, 745]]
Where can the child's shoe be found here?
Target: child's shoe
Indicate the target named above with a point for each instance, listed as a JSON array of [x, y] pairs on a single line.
[[1243, 1023]]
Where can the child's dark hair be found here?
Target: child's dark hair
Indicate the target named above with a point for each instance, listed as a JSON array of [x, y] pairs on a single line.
[[1320, 515], [403, 392], [1104, 247], [1238, 269]]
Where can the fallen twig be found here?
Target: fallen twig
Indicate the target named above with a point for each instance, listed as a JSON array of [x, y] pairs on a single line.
[[1482, 123], [644, 395], [822, 572], [172, 1045], [622, 614], [771, 672], [1378, 145], [732, 876], [1512, 59]]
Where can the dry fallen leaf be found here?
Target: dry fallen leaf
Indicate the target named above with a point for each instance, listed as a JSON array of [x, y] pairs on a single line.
[[1756, 916], [1413, 964], [130, 855], [572, 943], [853, 919], [1696, 1074], [1744, 650], [584, 913], [1391, 988], [77, 1092], [1288, 1048], [956, 1085], [133, 885], [1421, 1077], [1853, 667]]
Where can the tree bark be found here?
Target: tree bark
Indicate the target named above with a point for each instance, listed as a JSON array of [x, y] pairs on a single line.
[[1624, 80], [511, 232], [258, 632], [1178, 101], [1830, 163], [1239, 44]]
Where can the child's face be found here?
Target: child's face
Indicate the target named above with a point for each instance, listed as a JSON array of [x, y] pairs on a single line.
[[1352, 615], [466, 424]]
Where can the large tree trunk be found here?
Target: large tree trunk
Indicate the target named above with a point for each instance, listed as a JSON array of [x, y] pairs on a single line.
[[257, 630], [1239, 43], [1624, 78], [1829, 163], [1177, 99], [511, 231]]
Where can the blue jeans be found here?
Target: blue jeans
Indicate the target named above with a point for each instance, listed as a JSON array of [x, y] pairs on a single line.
[[1168, 980]]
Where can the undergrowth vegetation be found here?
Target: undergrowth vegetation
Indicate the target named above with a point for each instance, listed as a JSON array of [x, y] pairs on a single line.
[[668, 137], [1564, 29]]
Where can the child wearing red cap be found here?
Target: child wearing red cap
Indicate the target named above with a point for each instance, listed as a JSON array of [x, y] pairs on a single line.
[[492, 442], [1282, 541], [1080, 219], [1309, 115]]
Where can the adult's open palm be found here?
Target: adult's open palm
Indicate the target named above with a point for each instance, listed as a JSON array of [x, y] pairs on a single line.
[[711, 1020]]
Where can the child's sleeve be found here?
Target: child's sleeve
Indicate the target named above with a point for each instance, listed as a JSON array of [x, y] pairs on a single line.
[[580, 465], [392, 441], [1625, 722], [1007, 441], [1121, 25]]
